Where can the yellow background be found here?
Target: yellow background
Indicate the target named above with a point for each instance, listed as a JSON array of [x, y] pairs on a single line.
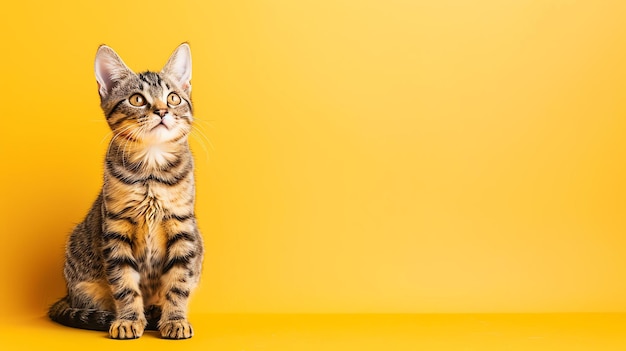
[[365, 156]]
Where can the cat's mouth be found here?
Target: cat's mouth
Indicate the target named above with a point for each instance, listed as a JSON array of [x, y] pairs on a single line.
[[161, 125], [166, 122], [162, 130]]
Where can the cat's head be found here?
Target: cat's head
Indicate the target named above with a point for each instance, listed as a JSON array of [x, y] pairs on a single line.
[[148, 107]]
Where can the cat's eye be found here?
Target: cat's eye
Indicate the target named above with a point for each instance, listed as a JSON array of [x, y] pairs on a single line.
[[137, 100], [173, 99]]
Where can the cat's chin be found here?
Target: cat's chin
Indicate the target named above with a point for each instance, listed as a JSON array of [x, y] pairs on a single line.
[[161, 134]]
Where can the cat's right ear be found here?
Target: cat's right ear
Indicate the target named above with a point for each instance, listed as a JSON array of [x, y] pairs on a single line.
[[110, 69]]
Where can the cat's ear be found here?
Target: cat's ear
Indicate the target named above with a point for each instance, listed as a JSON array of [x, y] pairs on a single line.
[[178, 67], [110, 69]]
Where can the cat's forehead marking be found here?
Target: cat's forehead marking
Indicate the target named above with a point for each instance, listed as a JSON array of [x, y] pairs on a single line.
[[153, 85], [150, 78]]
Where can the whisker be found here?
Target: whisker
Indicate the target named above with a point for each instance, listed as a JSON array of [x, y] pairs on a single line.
[[206, 122], [200, 127], [116, 136], [133, 136], [201, 142], [195, 128], [106, 136]]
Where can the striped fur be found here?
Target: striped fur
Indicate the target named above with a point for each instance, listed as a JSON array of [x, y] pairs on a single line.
[[136, 257]]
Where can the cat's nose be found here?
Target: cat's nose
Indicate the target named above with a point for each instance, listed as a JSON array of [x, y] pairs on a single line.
[[160, 112]]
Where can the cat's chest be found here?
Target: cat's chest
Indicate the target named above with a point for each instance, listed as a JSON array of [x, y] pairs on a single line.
[[151, 205], [150, 238], [150, 243], [147, 204]]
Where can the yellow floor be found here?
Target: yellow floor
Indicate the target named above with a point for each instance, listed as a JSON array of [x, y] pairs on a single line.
[[536, 332]]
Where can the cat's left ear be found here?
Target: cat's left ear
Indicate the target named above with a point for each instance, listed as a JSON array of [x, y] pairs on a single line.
[[178, 67]]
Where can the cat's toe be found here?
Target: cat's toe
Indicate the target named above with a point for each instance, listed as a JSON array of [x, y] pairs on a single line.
[[179, 329], [126, 329]]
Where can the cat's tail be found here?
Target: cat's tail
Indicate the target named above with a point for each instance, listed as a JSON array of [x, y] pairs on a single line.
[[62, 312]]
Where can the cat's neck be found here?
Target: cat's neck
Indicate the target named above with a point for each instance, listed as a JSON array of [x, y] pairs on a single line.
[[148, 157]]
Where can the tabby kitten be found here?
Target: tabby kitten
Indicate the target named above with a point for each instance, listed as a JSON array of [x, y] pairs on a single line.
[[134, 260]]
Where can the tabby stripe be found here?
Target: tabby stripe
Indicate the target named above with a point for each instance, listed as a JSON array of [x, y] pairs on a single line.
[[172, 164], [115, 108], [179, 292], [108, 236], [189, 201], [178, 261], [176, 317], [131, 166], [143, 77], [180, 218], [124, 179], [119, 216], [171, 299], [178, 237], [106, 252], [114, 280], [123, 293], [184, 174], [119, 176], [188, 104], [115, 124], [84, 317], [148, 77], [179, 138], [118, 262], [130, 317]]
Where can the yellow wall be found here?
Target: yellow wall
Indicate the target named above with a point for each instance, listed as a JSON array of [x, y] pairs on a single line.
[[368, 156]]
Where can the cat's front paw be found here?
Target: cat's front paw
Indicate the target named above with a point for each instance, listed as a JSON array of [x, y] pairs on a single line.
[[177, 329], [126, 329]]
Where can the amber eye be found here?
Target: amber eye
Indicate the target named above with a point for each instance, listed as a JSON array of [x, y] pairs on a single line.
[[137, 100], [173, 99]]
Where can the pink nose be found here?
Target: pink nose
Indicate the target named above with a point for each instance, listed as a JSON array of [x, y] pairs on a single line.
[[161, 112]]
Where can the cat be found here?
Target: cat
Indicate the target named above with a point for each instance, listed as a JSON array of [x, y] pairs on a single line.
[[132, 263]]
